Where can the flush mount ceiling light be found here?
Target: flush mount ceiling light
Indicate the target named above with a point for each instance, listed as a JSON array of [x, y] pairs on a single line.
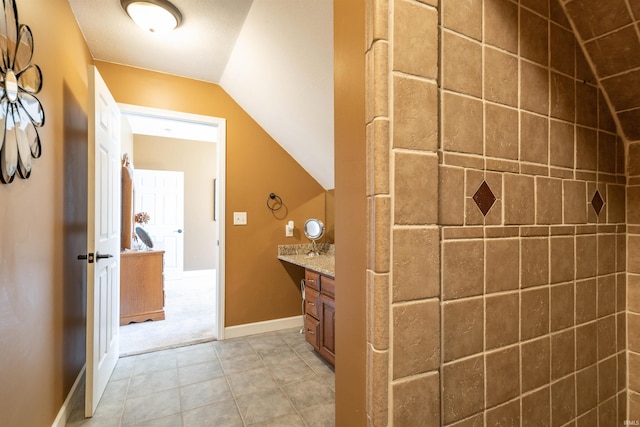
[[153, 15]]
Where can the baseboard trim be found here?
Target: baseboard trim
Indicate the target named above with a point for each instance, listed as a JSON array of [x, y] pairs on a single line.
[[69, 402], [261, 327], [197, 273]]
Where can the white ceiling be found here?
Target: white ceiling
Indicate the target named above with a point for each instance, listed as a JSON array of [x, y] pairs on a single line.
[[142, 124], [274, 57]]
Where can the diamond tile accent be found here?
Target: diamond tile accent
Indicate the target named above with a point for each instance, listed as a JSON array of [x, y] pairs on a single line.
[[484, 198], [597, 202]]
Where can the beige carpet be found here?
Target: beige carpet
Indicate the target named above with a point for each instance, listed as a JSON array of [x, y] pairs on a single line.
[[190, 317]]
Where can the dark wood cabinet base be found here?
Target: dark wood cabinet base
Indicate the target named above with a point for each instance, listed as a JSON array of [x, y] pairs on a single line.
[[320, 310]]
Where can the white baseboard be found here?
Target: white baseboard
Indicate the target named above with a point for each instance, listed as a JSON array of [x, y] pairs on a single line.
[[70, 401], [261, 327], [198, 273]]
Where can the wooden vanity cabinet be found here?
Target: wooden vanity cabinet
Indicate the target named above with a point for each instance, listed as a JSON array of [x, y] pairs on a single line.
[[320, 309], [141, 286]]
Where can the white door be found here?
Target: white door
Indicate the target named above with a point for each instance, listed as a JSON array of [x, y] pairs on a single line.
[[161, 195], [103, 243]]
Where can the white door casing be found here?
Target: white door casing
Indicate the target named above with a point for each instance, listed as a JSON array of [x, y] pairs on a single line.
[[103, 271], [161, 195], [221, 199]]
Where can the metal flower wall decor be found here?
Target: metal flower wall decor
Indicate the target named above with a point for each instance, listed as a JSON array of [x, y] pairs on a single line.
[[20, 111]]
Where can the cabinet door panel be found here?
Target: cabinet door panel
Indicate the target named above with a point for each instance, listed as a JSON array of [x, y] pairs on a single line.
[[327, 329]]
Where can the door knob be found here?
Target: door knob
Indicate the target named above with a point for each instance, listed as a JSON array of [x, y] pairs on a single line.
[[103, 256], [179, 231]]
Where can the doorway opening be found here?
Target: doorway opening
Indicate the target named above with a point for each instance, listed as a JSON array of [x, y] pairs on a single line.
[[168, 150]]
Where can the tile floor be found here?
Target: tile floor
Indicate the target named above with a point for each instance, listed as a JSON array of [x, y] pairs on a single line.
[[272, 379]]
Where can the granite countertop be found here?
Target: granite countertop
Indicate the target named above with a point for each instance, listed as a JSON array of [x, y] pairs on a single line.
[[325, 263]]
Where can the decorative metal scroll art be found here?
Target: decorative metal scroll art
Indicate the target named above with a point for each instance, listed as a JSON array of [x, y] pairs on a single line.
[[20, 111]]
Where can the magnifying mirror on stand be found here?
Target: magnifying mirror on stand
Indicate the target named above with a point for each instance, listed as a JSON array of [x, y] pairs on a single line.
[[313, 229]]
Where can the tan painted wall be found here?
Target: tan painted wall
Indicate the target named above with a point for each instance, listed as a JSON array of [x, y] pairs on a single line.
[[258, 286], [43, 228], [197, 159], [330, 216], [350, 212]]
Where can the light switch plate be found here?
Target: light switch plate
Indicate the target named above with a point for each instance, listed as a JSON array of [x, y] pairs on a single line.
[[239, 218]]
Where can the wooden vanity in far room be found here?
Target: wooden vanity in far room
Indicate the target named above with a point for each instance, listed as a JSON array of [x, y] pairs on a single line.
[[141, 286], [141, 272]]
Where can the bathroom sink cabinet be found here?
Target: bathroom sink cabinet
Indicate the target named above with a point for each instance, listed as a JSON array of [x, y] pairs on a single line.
[[319, 304], [141, 286]]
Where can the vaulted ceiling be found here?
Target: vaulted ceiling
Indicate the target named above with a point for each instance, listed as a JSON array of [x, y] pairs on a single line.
[[609, 33], [274, 57]]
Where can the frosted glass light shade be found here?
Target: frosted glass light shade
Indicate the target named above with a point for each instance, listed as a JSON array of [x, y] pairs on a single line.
[[153, 15]]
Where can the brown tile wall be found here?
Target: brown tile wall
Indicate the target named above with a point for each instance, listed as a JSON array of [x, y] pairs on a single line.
[[609, 32], [633, 279], [497, 239], [533, 292]]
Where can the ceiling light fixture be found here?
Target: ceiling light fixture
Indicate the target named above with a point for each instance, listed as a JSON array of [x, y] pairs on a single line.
[[153, 15]]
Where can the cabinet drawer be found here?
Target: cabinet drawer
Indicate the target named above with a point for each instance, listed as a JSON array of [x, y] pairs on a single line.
[[311, 302], [312, 331], [312, 280], [328, 286]]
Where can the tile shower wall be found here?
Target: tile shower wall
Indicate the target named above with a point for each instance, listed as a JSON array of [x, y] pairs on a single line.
[[633, 280], [608, 33], [497, 251]]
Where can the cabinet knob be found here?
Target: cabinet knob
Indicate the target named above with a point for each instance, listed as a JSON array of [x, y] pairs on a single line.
[[310, 303], [310, 332]]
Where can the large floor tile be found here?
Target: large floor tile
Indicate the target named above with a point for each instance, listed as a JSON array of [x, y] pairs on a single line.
[[221, 414], [241, 362], [291, 371], [107, 415], [320, 416], [196, 354], [292, 420], [151, 406], [232, 347], [174, 420], [309, 392], [204, 393], [252, 381], [148, 364], [124, 368], [152, 382], [278, 355], [264, 405], [266, 341], [199, 372]]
